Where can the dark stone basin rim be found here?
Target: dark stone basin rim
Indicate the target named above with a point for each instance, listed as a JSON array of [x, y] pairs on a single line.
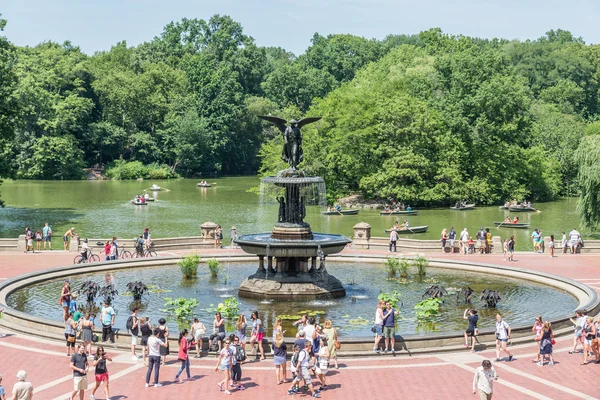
[[11, 285]]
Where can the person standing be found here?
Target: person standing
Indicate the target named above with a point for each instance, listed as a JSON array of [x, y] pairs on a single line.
[[331, 335], [481, 240], [70, 331], [483, 381], [154, 346], [87, 332], [472, 317], [114, 249], [233, 236], [579, 323], [574, 237], [224, 365], [389, 327], [22, 390], [279, 358], [198, 329], [511, 248], [502, 337], [47, 234], [135, 328], [551, 245], [147, 238], [563, 243], [101, 372], [2, 391], [182, 355], [443, 239], [67, 236], [107, 317], [65, 298], [464, 241], [240, 327], [451, 238], [257, 334], [488, 241], [38, 240], [29, 240], [79, 365], [323, 363], [393, 239], [146, 331], [588, 334], [537, 327], [163, 334], [378, 325], [545, 343], [218, 236]]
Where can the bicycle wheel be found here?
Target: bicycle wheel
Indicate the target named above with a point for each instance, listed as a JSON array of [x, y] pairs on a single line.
[[126, 254], [151, 253], [78, 259], [94, 258]]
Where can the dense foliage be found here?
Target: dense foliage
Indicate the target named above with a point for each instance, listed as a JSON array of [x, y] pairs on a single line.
[[424, 119]]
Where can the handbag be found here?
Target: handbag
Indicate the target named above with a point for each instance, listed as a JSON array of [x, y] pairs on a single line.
[[373, 329], [71, 339], [94, 338], [336, 344], [553, 342], [476, 331]]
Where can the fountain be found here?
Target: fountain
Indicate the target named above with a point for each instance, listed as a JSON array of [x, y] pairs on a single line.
[[295, 255]]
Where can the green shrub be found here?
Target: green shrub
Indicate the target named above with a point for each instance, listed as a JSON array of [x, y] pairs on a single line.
[[392, 264], [128, 170], [214, 266], [421, 263], [189, 266]]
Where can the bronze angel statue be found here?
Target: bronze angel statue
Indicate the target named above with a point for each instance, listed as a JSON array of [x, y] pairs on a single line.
[[292, 138]]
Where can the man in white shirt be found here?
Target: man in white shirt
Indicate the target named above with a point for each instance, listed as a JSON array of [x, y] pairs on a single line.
[[154, 344], [574, 237], [464, 240], [483, 381]]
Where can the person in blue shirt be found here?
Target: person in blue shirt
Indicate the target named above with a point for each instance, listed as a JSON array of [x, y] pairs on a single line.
[[73, 303]]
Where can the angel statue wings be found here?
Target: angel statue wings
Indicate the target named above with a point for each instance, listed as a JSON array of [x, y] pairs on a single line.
[[292, 138]]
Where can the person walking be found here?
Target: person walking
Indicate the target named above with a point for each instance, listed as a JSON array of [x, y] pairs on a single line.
[[537, 328], [198, 329], [47, 234], [22, 390], [378, 325], [596, 341], [331, 336], [154, 346], [546, 340], [471, 315], [279, 358], [589, 333], [305, 363], [393, 239], [2, 391], [579, 323], [389, 328], [182, 355], [502, 337], [79, 365], [483, 381], [322, 363], [258, 334], [107, 317], [101, 372], [224, 365], [238, 355]]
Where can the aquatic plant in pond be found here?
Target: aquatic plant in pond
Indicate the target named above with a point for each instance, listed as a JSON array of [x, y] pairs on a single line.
[[393, 265], [214, 266], [189, 266], [435, 291], [229, 308], [181, 307], [393, 298], [421, 263], [428, 308], [137, 289], [109, 292], [90, 290]]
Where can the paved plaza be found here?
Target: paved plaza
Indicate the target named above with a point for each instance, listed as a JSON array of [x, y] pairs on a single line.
[[427, 376]]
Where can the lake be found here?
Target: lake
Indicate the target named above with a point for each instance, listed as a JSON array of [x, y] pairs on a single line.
[[103, 208]]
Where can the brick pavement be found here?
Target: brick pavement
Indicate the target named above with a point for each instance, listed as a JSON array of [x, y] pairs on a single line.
[[443, 376]]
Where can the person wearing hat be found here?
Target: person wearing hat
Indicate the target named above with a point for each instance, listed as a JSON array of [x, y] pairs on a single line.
[[66, 237], [84, 250], [481, 240], [22, 390]]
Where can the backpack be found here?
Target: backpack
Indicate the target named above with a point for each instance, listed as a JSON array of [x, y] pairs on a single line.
[[295, 359], [129, 323], [214, 345], [240, 354]]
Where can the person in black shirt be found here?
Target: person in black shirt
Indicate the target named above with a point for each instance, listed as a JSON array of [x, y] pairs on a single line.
[[79, 365], [101, 371]]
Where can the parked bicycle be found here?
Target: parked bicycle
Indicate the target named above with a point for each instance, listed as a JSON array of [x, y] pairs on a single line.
[[145, 252]]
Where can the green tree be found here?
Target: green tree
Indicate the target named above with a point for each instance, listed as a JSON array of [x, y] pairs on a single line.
[[588, 159], [53, 158]]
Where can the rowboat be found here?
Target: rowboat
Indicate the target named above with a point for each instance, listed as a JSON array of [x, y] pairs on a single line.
[[521, 209], [464, 208], [150, 199], [203, 185], [155, 188], [410, 230], [139, 203], [518, 225], [342, 212], [411, 212]]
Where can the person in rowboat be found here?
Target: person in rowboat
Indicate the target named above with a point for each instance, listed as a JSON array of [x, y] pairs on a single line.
[[405, 224], [516, 220], [507, 220], [396, 226]]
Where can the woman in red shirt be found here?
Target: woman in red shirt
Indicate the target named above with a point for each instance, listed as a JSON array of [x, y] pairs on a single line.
[[182, 356], [107, 250]]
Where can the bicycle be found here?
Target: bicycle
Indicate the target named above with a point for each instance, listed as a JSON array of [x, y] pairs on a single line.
[[91, 257], [124, 253], [145, 253]]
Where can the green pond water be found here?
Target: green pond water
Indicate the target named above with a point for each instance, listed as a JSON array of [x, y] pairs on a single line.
[[521, 300], [103, 209]]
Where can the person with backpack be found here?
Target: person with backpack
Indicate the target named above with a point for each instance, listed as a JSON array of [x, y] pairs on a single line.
[[146, 331], [279, 358], [294, 366], [305, 363], [238, 355], [133, 326], [183, 356]]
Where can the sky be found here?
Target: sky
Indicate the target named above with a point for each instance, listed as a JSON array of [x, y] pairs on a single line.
[[96, 25]]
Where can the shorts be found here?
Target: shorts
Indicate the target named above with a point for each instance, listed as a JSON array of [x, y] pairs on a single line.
[[65, 304], [260, 336], [305, 374], [389, 331], [505, 340], [224, 367], [379, 330], [451, 242], [65, 239], [278, 360], [29, 242], [47, 238], [102, 377], [481, 243], [470, 331], [80, 383], [134, 340], [587, 341], [69, 344], [144, 341]]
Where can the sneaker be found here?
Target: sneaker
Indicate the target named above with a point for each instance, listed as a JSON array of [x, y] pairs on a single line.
[[498, 360], [220, 387], [295, 389], [241, 387], [147, 385], [134, 358], [317, 395], [551, 363], [92, 397], [227, 392], [510, 357], [291, 392], [305, 387], [393, 352], [540, 363], [158, 384], [375, 350], [385, 351]]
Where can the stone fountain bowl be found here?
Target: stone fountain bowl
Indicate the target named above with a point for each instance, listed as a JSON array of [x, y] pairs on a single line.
[[257, 243]]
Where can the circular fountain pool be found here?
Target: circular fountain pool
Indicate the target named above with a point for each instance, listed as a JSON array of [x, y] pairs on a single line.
[[521, 300]]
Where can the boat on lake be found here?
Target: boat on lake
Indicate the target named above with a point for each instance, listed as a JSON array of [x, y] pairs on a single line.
[[155, 188], [139, 203], [411, 212], [203, 185], [464, 207], [409, 230], [341, 212], [518, 225], [521, 209]]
